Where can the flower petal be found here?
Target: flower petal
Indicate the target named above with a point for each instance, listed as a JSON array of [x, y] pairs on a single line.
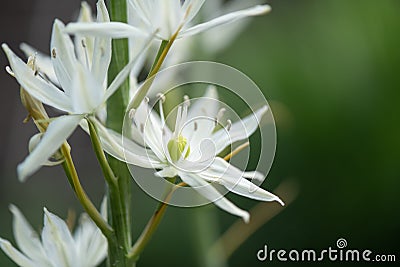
[[34, 85], [124, 73], [167, 172], [228, 18], [212, 194], [200, 120], [105, 29], [84, 44], [233, 179], [27, 239], [91, 245], [240, 130], [124, 149], [192, 7], [63, 56], [87, 93], [102, 46], [57, 241], [57, 132], [15, 255]]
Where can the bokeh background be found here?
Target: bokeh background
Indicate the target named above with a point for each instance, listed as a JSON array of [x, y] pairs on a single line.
[[331, 72]]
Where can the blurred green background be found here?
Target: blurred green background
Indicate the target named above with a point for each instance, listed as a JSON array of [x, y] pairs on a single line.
[[330, 70]]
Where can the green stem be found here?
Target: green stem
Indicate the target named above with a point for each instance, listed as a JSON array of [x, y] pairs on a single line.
[[118, 219], [165, 46], [119, 204], [151, 226], [89, 207]]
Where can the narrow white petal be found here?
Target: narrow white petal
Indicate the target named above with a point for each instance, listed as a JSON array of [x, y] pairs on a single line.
[[34, 85], [200, 120], [192, 7], [87, 93], [57, 241], [103, 207], [90, 243], [254, 175], [233, 179], [212, 194], [84, 44], [62, 56], [228, 18], [123, 149], [102, 46], [57, 132], [240, 130], [27, 239], [15, 255], [43, 62], [105, 29], [124, 73]]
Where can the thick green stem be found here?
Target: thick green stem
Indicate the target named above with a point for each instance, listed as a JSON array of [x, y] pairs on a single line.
[[117, 207], [119, 195]]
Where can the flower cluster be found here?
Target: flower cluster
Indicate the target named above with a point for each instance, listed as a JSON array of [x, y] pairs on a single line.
[[73, 80]]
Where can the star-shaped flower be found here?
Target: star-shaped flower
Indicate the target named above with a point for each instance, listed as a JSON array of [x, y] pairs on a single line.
[[191, 150], [83, 86], [56, 247]]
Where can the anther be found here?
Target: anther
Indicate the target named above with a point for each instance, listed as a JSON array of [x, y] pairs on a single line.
[[53, 53], [83, 43], [161, 97], [132, 113], [142, 128], [146, 100], [195, 126], [229, 125], [186, 100]]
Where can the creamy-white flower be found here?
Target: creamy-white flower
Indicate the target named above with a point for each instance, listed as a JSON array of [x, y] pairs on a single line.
[[82, 80], [190, 150], [165, 17], [56, 246]]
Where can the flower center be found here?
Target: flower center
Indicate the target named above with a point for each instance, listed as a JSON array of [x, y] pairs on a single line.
[[177, 146]]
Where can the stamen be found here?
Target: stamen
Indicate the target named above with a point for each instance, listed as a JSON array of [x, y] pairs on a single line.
[[195, 126], [132, 113], [53, 53], [85, 51], [236, 151], [161, 97], [160, 103], [146, 100], [229, 125], [186, 100]]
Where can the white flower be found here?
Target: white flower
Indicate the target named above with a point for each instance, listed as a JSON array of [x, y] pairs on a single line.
[[167, 17], [56, 247], [191, 150], [83, 82]]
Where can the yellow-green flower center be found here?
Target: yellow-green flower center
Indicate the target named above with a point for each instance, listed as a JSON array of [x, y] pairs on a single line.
[[176, 147]]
